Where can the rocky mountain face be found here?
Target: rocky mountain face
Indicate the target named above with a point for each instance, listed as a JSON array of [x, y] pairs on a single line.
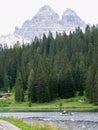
[[44, 21], [70, 21]]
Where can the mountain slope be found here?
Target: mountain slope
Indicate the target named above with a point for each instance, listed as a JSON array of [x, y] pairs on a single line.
[[44, 21], [71, 20]]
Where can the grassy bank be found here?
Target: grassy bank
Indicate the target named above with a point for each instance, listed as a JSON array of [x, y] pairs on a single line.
[[24, 126], [73, 104]]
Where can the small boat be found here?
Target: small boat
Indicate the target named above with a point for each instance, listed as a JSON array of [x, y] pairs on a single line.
[[66, 113]]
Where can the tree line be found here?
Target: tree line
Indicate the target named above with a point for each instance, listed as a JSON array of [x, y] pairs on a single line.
[[49, 68]]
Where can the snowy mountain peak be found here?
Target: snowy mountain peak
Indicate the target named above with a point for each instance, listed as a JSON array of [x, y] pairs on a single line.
[[45, 20], [68, 11], [45, 14], [45, 8], [71, 20]]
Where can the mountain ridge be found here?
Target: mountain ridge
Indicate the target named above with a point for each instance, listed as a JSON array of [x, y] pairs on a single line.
[[44, 21]]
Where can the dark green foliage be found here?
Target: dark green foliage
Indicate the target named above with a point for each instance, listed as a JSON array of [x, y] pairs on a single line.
[[49, 68], [6, 83], [19, 92], [66, 86], [95, 89], [30, 85]]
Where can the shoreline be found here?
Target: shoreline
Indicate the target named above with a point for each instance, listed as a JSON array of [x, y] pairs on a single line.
[[31, 109]]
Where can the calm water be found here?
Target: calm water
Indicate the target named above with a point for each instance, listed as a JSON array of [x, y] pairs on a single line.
[[79, 120]]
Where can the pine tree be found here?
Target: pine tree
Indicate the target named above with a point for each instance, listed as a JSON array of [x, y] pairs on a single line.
[[30, 83], [95, 91], [19, 93], [6, 83]]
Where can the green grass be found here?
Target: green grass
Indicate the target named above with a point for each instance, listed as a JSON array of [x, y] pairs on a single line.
[[72, 104], [24, 126]]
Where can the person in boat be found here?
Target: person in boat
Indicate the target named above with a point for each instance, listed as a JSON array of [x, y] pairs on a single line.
[[65, 112]]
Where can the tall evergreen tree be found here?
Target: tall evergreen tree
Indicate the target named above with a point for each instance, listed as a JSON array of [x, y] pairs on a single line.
[[95, 91], [6, 83], [31, 91], [19, 93]]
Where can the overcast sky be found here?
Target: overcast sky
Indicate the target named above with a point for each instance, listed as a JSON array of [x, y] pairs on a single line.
[[15, 12]]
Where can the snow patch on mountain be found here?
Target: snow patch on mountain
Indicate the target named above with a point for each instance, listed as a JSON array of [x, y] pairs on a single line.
[[43, 22]]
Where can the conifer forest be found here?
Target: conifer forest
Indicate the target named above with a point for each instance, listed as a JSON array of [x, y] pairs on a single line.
[[51, 68]]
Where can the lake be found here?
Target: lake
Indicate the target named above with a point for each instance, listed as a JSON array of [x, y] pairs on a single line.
[[79, 120]]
